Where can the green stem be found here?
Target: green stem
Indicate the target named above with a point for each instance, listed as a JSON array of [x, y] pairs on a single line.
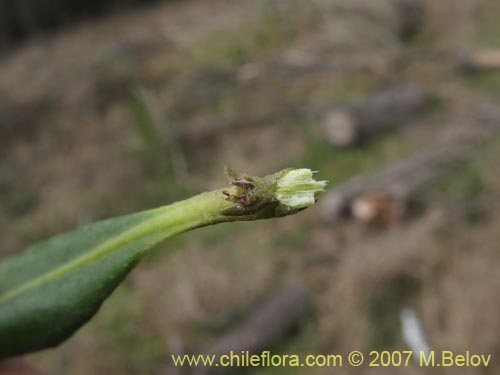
[[164, 222], [55, 286]]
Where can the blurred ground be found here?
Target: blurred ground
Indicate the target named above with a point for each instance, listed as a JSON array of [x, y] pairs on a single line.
[[142, 108]]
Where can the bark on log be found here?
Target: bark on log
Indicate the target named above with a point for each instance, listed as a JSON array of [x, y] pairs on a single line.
[[389, 191], [482, 61], [269, 323], [374, 115]]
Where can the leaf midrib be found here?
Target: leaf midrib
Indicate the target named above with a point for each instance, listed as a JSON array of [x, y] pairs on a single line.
[[103, 249]]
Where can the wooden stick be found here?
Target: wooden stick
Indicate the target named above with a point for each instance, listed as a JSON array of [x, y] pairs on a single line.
[[385, 193], [373, 116], [269, 324]]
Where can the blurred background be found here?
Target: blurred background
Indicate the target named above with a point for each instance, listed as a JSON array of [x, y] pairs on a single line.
[[109, 107]]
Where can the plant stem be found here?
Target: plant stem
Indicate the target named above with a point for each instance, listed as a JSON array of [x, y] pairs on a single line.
[[202, 210], [55, 286]]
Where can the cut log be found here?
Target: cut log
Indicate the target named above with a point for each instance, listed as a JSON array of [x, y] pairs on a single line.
[[378, 209], [385, 194], [478, 62], [373, 116], [269, 324]]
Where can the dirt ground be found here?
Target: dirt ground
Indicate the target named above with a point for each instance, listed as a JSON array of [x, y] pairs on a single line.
[[138, 109]]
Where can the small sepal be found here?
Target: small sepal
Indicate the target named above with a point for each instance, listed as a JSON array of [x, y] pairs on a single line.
[[282, 193]]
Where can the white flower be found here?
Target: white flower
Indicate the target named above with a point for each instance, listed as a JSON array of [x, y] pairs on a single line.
[[297, 188]]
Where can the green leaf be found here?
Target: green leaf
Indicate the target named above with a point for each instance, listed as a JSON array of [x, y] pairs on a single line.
[[54, 287]]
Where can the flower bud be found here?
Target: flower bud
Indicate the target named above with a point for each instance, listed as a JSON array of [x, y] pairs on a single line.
[[297, 188]]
